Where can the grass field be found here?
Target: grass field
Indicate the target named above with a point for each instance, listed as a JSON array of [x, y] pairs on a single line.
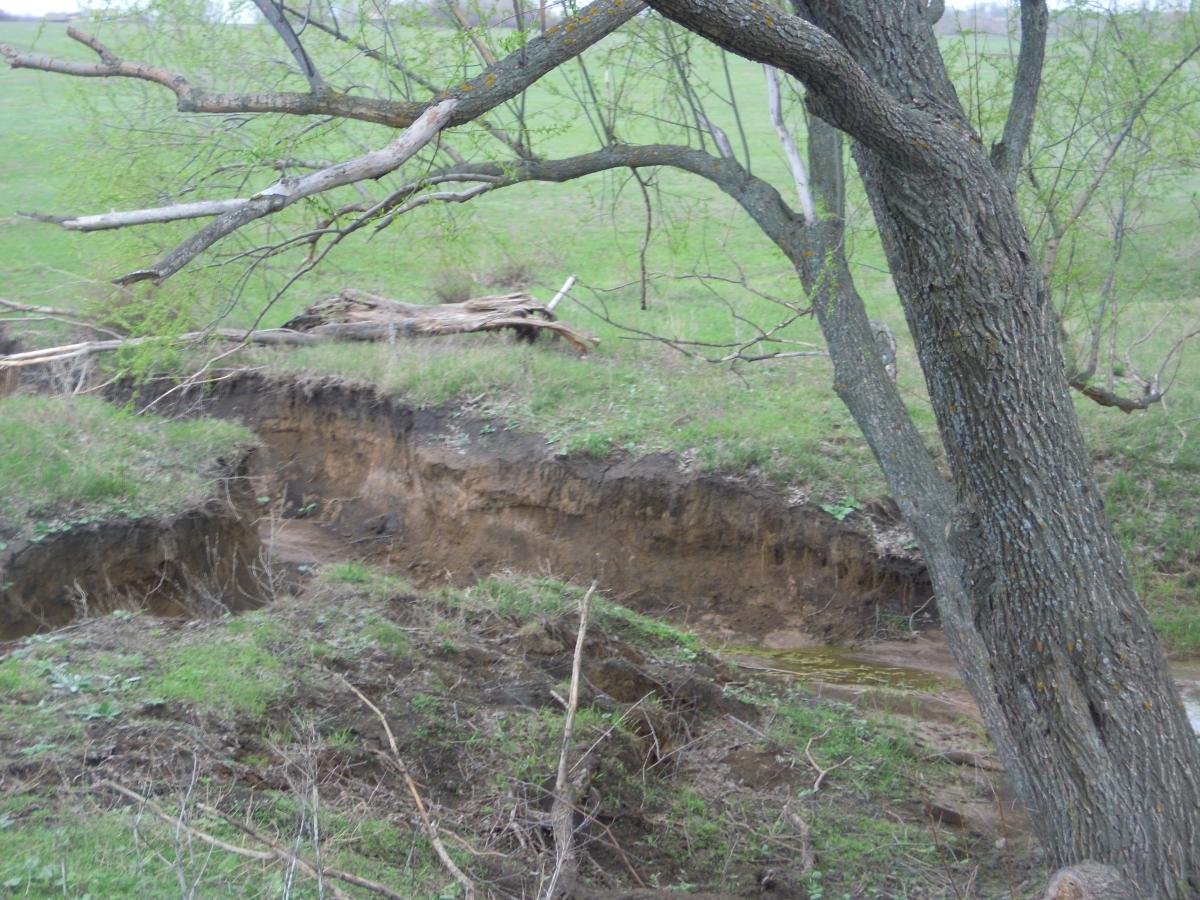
[[67, 146], [67, 460]]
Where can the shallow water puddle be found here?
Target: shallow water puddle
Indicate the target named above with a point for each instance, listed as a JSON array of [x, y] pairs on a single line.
[[834, 665]]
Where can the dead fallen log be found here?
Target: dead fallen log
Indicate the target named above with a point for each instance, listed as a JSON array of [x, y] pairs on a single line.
[[352, 316], [353, 309]]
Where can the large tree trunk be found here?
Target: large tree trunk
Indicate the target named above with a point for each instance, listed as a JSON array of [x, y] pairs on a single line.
[[1073, 682], [1105, 756]]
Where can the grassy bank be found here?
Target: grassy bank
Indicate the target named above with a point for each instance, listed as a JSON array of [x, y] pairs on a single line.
[[68, 460], [247, 731]]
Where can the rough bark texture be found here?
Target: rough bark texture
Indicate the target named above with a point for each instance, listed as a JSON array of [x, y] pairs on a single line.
[[1089, 724]]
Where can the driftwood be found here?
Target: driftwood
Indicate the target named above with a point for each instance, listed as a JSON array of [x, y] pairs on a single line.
[[350, 316]]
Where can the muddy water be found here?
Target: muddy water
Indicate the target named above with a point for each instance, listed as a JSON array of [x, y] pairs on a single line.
[[875, 668], [835, 665]]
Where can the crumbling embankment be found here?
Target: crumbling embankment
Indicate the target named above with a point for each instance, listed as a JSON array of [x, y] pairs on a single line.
[[444, 494], [197, 561]]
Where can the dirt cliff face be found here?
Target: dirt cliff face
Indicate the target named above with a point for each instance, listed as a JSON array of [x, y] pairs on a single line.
[[444, 495], [197, 562]]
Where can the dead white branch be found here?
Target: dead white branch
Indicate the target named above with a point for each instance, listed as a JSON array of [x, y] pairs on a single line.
[[795, 163], [562, 292], [429, 825], [566, 792], [174, 213]]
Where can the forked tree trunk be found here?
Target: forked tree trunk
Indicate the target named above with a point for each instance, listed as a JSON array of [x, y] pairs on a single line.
[[1038, 602]]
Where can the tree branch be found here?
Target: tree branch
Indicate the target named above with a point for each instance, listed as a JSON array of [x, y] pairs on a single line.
[[841, 91], [1007, 155], [338, 35], [795, 163], [287, 191], [191, 99], [274, 15], [1106, 160], [491, 87]]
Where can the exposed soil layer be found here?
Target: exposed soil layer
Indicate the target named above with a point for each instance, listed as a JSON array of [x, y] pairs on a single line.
[[445, 495], [200, 560]]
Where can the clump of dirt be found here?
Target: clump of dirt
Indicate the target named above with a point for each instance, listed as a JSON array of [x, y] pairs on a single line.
[[199, 561], [441, 494], [248, 732]]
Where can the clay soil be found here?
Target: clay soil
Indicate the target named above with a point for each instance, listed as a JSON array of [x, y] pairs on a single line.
[[444, 495]]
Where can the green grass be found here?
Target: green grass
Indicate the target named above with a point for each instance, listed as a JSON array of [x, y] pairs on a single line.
[[15, 678], [249, 703], [779, 421], [69, 460], [228, 675]]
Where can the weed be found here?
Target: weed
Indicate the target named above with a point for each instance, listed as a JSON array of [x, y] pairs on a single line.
[[842, 509], [234, 675], [15, 678], [389, 637]]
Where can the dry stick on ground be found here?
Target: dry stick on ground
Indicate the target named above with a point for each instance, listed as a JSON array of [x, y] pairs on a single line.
[[808, 859], [467, 884], [821, 773], [348, 877], [275, 854], [562, 814]]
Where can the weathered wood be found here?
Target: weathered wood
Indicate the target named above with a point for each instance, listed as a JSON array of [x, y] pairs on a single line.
[[351, 316]]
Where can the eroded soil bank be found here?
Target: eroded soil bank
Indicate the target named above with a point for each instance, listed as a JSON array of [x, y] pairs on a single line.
[[200, 560], [443, 495]]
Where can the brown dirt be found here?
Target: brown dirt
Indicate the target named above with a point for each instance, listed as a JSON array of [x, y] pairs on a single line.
[[198, 561], [444, 496]]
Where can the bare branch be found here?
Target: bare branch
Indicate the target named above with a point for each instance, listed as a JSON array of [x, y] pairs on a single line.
[[175, 213], [487, 90], [566, 792], [1106, 160], [1006, 155], [480, 47], [795, 163], [191, 99], [337, 34], [287, 191], [273, 13], [841, 90], [431, 831], [720, 138]]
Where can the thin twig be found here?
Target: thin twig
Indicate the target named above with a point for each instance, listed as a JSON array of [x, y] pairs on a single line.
[[566, 867], [821, 773], [468, 885], [275, 854]]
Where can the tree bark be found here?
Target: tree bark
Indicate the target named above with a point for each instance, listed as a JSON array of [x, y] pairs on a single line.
[[1084, 712]]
